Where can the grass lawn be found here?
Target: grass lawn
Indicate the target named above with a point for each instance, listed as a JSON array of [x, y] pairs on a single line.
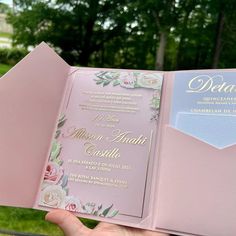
[[30, 221], [4, 68], [5, 35], [26, 220]]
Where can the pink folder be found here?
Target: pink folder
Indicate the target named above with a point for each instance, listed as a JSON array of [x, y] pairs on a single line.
[[114, 156]]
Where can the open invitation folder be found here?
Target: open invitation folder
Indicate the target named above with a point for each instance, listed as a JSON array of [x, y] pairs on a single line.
[[147, 149]]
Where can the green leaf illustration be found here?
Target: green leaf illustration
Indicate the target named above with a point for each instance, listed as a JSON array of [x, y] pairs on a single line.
[[155, 103], [58, 132], [58, 161], [116, 82], [56, 149], [61, 123], [67, 191], [62, 117], [99, 81], [106, 82], [106, 211], [101, 74], [113, 214], [64, 181]]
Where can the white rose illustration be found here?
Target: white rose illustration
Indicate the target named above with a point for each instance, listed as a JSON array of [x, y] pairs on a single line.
[[53, 196], [149, 80]]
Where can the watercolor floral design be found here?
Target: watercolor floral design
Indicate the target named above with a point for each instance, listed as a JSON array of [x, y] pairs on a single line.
[[132, 80], [55, 192], [75, 205]]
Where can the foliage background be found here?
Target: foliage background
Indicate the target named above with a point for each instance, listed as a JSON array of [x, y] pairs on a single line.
[[150, 34]]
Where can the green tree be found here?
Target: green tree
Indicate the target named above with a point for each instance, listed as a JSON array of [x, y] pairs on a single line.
[[77, 28], [195, 35], [159, 17], [225, 33], [168, 34]]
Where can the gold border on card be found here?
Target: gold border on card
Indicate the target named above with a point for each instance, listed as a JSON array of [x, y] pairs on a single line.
[[68, 101], [71, 87], [145, 186]]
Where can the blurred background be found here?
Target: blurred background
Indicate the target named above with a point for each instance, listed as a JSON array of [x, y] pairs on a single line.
[[135, 34], [150, 34]]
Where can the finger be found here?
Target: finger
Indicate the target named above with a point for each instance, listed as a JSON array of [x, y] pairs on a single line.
[[121, 230], [153, 233], [69, 223], [102, 226]]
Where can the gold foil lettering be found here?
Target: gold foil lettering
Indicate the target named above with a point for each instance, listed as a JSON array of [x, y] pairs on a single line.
[[123, 137], [81, 133], [91, 150], [108, 118]]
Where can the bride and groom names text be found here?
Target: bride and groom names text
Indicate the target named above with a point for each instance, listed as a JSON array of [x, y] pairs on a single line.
[[117, 136]]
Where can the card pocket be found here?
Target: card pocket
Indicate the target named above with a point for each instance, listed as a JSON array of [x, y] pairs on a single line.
[[196, 185], [216, 130]]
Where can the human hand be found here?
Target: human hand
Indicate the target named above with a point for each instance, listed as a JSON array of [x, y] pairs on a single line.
[[71, 226]]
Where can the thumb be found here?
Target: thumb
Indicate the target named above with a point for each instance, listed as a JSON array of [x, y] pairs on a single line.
[[69, 223]]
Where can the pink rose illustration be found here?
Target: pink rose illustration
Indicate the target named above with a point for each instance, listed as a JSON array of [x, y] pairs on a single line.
[[53, 173], [127, 80], [72, 204], [71, 207]]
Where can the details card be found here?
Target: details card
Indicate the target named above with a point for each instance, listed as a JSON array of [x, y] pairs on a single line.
[[99, 162], [203, 105]]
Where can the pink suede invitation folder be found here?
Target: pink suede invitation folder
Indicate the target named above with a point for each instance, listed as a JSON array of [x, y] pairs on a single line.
[[147, 149]]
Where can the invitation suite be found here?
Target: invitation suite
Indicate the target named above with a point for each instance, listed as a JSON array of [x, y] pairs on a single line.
[[146, 149]]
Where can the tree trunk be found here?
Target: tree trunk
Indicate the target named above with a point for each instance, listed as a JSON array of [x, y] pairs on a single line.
[[86, 50], [189, 8], [160, 53], [218, 39]]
